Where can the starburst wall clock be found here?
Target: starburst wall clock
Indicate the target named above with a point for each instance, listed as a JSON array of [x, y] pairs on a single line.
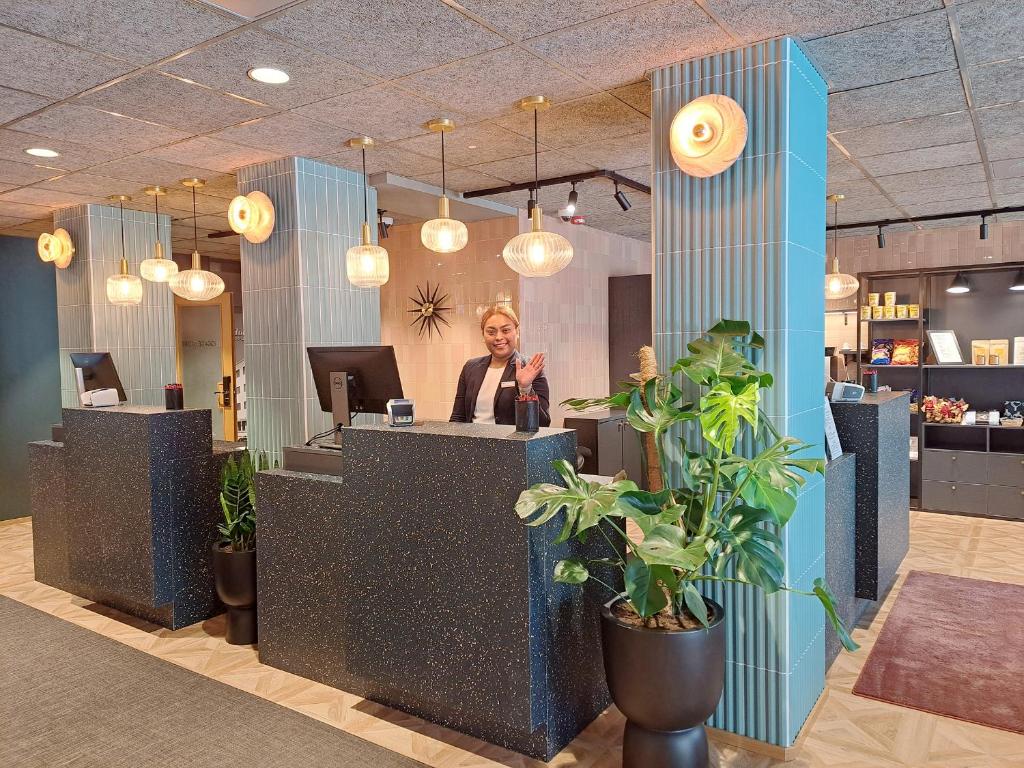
[[429, 310]]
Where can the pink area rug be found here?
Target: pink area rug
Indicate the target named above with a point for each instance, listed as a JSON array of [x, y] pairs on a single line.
[[953, 647]]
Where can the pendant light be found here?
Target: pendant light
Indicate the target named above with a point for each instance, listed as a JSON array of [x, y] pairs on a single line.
[[959, 284], [123, 288], [443, 234], [1018, 281], [366, 264], [196, 284], [838, 285], [157, 269], [537, 253]]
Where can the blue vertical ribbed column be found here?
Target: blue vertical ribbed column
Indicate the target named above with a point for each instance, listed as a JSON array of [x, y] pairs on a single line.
[[749, 244], [295, 293]]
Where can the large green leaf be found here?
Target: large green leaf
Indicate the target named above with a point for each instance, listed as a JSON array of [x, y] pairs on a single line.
[[619, 400], [695, 602], [723, 408], [771, 479], [828, 601], [646, 585], [668, 545], [571, 572]]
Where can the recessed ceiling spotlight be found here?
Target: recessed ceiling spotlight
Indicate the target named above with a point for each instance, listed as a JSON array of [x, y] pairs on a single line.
[[42, 152], [268, 75], [472, 146]]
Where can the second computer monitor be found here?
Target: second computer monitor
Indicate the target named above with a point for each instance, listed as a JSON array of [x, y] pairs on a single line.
[[372, 376], [98, 372]]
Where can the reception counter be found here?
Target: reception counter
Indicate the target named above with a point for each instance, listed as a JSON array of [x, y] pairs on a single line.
[[125, 510], [409, 580]]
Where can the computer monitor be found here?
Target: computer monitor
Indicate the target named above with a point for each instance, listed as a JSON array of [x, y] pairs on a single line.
[[98, 372], [351, 380]]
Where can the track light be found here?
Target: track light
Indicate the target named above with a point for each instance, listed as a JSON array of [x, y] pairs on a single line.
[[530, 205], [959, 284], [983, 229], [621, 199], [573, 199], [1018, 281], [383, 223], [881, 237]]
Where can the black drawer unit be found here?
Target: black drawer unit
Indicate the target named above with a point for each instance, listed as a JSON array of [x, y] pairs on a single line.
[[1004, 501], [1006, 469], [969, 498], [958, 466]]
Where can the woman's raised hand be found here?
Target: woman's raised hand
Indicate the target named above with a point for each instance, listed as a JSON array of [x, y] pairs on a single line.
[[526, 373]]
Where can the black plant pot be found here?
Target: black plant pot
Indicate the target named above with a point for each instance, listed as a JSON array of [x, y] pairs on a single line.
[[235, 576], [666, 683], [527, 415]]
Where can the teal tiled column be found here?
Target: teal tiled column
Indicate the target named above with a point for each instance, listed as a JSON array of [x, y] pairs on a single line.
[[749, 244]]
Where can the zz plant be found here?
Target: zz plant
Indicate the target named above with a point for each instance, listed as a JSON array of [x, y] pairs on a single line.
[[720, 521], [238, 500]]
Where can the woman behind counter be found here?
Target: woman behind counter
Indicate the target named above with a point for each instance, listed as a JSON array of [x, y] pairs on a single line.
[[488, 385]]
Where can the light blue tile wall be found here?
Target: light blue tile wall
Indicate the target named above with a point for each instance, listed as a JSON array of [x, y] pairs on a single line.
[[295, 293], [749, 244], [139, 338]]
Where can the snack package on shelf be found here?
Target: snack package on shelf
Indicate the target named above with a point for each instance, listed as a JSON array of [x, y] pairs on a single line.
[[881, 352], [941, 410], [905, 352]]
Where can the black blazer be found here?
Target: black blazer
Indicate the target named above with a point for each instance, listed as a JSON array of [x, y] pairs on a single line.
[[472, 378]]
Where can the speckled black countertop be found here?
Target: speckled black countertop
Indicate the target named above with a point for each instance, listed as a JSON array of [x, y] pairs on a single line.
[[879, 398], [411, 581]]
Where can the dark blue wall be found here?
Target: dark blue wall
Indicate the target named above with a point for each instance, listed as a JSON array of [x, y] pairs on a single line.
[[29, 369]]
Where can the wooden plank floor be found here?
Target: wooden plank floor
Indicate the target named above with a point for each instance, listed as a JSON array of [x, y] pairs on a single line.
[[845, 731]]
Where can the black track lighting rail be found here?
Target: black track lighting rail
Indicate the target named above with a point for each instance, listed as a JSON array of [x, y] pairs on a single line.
[[932, 217], [576, 177]]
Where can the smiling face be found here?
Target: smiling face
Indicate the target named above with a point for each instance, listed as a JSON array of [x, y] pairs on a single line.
[[501, 335]]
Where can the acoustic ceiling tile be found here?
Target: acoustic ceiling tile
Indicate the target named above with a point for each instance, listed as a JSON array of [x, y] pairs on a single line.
[[211, 154], [917, 45], [470, 144], [991, 29], [517, 170], [924, 159], [1008, 169], [14, 104], [141, 31], [49, 68], [462, 180], [168, 101], [226, 63], [851, 188], [17, 174], [523, 19], [383, 111], [7, 222], [855, 216], [1010, 185], [637, 95], [997, 83], [148, 170], [389, 39], [23, 210], [287, 134], [953, 177], [843, 170], [72, 156], [613, 154], [97, 128], [641, 173], [918, 196], [935, 131], [619, 49], [1002, 121], [96, 187], [1005, 147], [592, 118], [388, 157], [490, 83], [45, 197], [922, 96], [949, 206]]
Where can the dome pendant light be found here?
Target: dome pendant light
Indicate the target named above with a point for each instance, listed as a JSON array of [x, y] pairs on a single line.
[[157, 269], [838, 285], [1018, 281], [366, 264], [123, 288], [537, 253], [196, 284], [959, 284], [443, 234]]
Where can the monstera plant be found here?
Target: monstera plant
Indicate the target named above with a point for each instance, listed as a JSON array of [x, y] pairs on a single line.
[[724, 484]]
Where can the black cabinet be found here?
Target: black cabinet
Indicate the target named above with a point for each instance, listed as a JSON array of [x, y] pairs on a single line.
[[612, 443]]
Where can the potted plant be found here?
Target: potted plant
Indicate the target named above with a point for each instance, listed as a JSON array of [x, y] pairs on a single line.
[[234, 555], [713, 515]]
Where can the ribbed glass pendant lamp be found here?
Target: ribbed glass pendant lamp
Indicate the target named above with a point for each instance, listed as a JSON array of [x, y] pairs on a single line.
[[123, 288], [443, 234], [838, 285], [537, 253], [366, 264], [157, 269], [196, 284]]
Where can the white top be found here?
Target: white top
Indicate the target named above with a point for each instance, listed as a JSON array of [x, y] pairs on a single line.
[[484, 413]]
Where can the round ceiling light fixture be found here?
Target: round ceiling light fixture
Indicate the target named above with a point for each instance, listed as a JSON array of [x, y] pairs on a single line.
[[123, 288], [252, 216], [57, 248], [366, 264], [196, 284], [707, 135], [268, 75], [838, 285], [42, 152], [443, 234], [537, 253]]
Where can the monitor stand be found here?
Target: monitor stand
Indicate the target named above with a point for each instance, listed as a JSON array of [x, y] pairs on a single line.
[[340, 388]]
